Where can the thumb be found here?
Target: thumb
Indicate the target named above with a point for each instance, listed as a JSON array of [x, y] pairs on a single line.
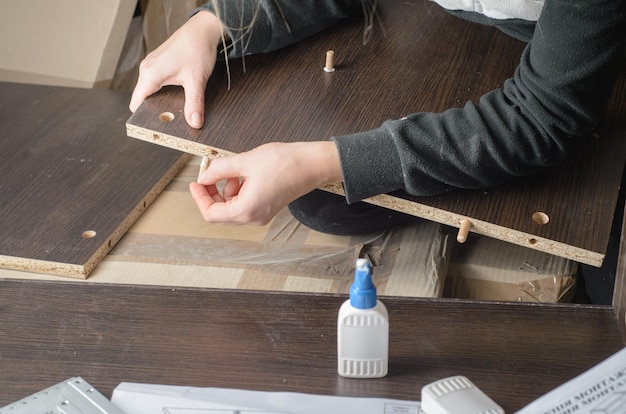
[[220, 169]]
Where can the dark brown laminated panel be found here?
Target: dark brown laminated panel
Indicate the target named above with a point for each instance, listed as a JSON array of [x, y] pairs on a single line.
[[409, 66], [287, 342], [71, 182]]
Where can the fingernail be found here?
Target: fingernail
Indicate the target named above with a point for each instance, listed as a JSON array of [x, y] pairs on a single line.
[[196, 120]]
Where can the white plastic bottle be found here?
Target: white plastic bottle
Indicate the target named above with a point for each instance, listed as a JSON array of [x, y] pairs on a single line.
[[363, 329]]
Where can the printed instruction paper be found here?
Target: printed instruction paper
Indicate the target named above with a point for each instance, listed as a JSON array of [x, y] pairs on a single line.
[[600, 390], [134, 398]]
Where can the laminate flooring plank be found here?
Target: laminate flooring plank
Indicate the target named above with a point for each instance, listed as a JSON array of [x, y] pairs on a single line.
[[426, 60], [71, 182]]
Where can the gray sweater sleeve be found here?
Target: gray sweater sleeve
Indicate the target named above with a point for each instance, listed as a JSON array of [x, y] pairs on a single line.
[[554, 99]]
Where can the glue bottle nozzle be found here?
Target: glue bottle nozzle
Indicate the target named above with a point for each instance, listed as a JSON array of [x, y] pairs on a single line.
[[363, 291]]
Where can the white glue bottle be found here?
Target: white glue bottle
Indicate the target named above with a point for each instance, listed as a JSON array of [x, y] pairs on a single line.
[[363, 329]]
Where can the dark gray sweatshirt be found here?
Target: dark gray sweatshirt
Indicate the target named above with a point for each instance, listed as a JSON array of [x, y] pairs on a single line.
[[555, 98]]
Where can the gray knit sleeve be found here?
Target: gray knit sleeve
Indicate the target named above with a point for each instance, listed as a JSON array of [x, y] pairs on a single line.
[[553, 102]]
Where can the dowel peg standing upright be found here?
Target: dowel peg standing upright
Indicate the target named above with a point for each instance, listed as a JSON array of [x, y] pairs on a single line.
[[466, 225], [330, 61], [204, 164]]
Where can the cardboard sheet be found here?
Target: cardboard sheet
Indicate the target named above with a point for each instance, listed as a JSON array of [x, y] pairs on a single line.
[[488, 269], [64, 42]]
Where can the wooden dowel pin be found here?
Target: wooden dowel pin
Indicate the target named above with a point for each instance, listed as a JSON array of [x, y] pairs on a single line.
[[466, 225], [330, 61], [204, 164]]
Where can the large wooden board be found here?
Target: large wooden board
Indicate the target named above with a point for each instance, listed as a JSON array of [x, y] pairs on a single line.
[[427, 60], [286, 342], [71, 182]]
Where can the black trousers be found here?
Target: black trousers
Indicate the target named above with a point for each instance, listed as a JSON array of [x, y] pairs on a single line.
[[330, 213]]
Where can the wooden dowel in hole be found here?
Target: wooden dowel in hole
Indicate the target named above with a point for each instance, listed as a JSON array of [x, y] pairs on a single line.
[[204, 164], [466, 225], [330, 61]]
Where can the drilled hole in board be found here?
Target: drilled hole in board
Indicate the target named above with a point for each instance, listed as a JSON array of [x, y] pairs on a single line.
[[88, 234], [532, 241], [540, 218], [166, 117]]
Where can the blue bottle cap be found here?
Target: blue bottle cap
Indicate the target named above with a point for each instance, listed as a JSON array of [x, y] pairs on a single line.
[[363, 291]]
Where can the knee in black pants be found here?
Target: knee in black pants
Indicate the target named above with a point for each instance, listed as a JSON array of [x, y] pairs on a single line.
[[330, 213]]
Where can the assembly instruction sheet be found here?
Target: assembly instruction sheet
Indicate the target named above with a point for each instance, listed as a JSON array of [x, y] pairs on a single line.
[[600, 390], [134, 398]]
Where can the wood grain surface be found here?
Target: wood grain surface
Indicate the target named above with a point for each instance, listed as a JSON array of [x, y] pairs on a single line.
[[285, 342], [71, 182], [427, 60]]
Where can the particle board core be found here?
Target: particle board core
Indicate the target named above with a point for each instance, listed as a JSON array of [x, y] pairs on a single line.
[[414, 66], [71, 183]]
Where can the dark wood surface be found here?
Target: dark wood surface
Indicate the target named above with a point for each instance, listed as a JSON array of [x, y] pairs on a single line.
[[66, 168], [427, 60], [108, 334]]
